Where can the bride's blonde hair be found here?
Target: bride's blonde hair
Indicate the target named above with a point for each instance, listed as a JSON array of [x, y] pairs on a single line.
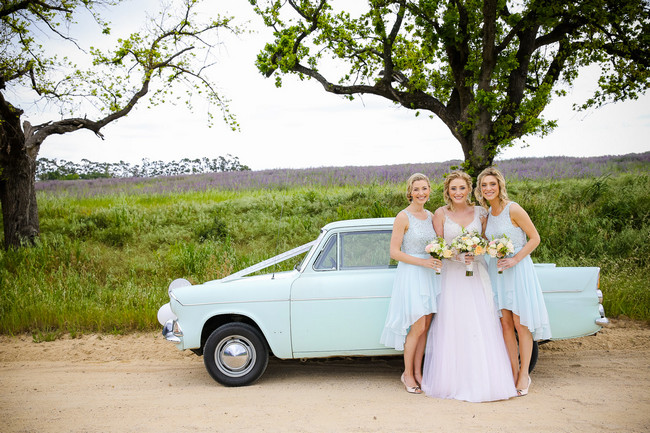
[[457, 174]]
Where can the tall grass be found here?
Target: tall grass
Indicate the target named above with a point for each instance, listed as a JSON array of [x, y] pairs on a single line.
[[103, 262]]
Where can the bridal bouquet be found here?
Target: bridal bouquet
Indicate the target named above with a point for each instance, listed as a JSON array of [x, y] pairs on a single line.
[[438, 250], [500, 248], [470, 243]]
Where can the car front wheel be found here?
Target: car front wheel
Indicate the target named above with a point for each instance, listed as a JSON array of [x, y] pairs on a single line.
[[235, 354]]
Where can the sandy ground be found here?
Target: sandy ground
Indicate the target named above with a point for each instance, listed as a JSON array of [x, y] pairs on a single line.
[[141, 383]]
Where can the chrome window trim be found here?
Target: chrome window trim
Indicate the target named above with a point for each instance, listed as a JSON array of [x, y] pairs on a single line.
[[324, 243]]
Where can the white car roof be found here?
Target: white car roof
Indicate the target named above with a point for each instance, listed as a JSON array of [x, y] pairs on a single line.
[[364, 222]]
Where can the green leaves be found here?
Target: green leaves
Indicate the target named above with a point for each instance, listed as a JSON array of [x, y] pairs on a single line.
[[486, 70]]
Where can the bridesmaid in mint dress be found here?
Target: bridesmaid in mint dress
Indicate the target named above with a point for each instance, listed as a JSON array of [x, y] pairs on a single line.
[[416, 286], [517, 291]]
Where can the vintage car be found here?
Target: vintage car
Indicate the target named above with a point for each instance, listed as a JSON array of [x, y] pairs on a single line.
[[333, 303]]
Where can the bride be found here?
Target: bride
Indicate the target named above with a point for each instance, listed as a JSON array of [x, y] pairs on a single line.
[[465, 357]]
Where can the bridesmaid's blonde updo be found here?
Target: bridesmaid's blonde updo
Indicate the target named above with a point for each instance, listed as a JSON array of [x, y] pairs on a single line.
[[457, 174], [409, 184], [491, 171]]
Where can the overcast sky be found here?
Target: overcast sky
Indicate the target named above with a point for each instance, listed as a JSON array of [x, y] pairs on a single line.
[[300, 125]]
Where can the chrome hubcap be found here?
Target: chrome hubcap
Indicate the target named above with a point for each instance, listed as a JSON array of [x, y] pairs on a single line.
[[235, 356]]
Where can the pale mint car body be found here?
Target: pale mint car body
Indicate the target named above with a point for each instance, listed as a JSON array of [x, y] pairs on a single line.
[[335, 302]]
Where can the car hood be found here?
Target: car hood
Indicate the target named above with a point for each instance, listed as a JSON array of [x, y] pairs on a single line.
[[259, 288]]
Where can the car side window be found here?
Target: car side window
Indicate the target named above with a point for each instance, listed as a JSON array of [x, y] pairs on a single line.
[[327, 259], [366, 249]]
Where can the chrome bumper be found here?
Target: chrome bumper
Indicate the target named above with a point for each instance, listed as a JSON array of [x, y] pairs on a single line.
[[602, 321], [172, 331]]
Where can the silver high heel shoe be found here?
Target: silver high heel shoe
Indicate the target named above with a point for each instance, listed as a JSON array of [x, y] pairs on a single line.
[[411, 389], [523, 392]]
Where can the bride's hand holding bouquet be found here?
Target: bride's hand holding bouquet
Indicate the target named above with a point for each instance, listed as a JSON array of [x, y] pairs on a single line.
[[469, 243]]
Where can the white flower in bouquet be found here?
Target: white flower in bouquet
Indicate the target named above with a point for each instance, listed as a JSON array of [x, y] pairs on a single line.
[[438, 250], [470, 243]]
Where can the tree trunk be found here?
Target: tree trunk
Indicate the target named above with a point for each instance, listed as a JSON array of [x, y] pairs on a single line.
[[479, 158], [476, 151], [17, 180]]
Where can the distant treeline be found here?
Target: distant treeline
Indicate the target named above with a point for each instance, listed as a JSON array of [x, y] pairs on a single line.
[[53, 169]]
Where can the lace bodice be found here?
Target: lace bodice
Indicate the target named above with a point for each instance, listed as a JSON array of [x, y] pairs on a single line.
[[418, 235], [453, 229], [499, 225]]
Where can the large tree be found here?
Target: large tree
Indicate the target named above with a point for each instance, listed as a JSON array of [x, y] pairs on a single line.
[[486, 68], [173, 51]]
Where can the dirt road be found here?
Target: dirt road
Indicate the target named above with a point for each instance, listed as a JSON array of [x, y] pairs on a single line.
[[140, 383]]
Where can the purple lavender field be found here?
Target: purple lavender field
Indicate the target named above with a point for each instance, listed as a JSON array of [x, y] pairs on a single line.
[[514, 169]]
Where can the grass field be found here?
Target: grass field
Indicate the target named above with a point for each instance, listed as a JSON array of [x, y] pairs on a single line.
[[110, 247]]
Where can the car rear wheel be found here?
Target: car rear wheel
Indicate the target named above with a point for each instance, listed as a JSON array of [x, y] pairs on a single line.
[[235, 354], [533, 357]]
